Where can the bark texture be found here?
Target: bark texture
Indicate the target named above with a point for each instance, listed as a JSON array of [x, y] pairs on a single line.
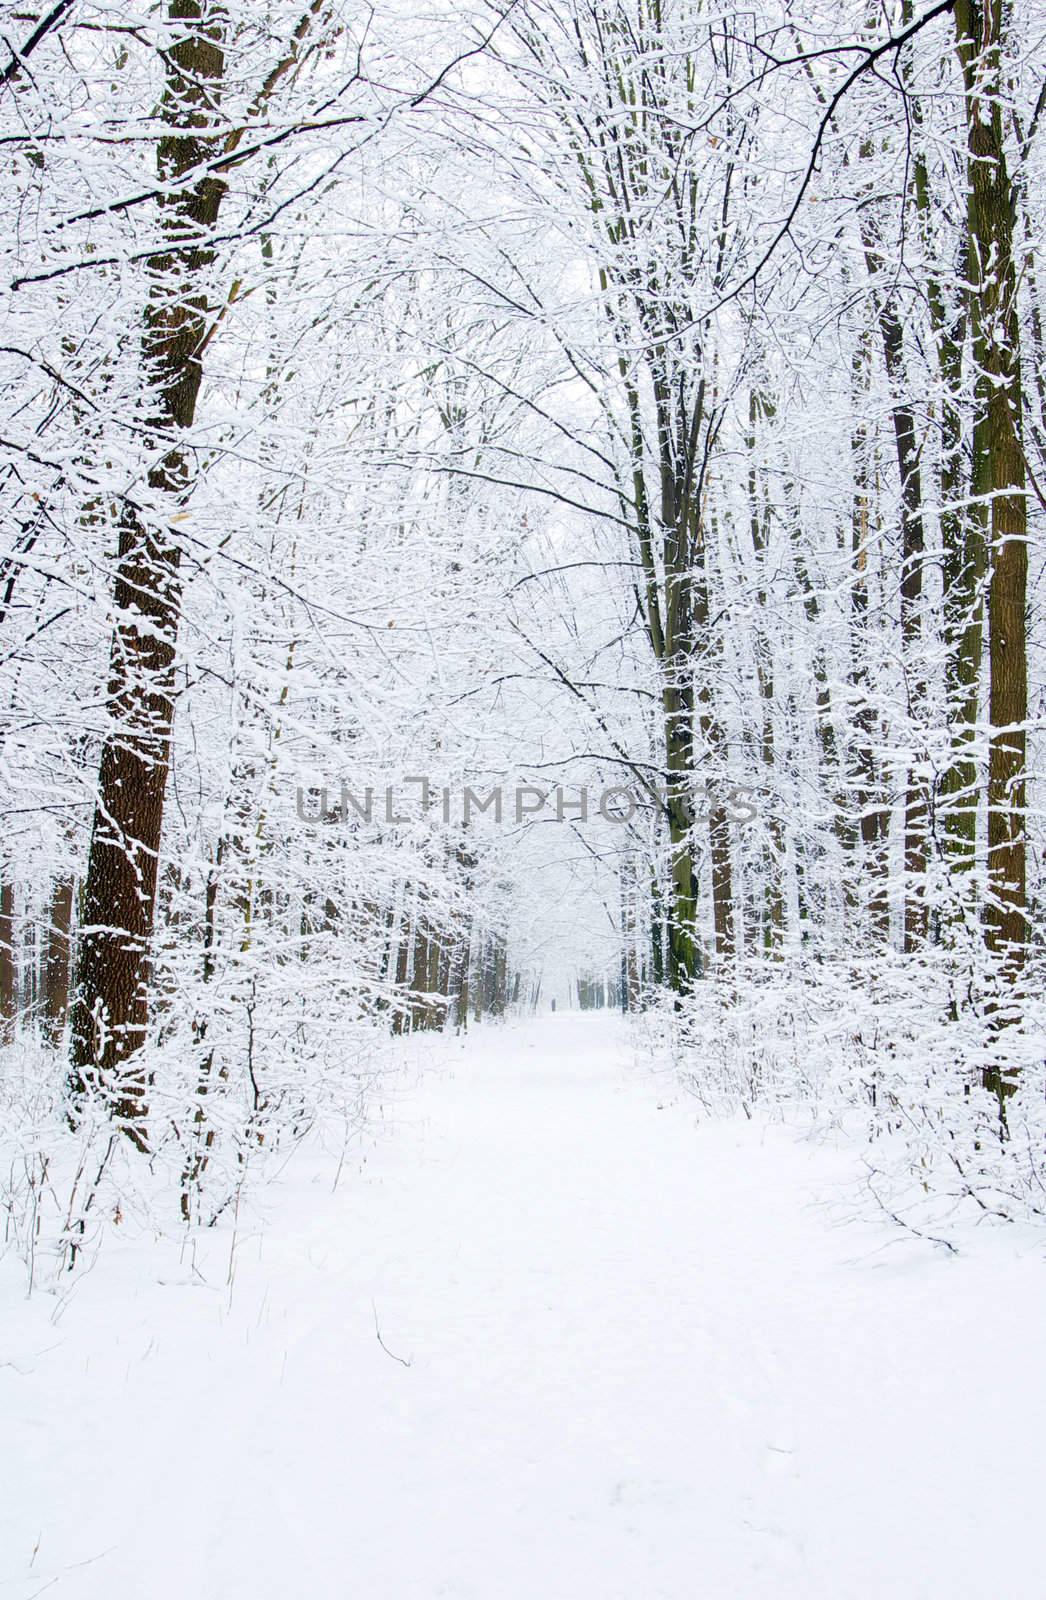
[[110, 1012]]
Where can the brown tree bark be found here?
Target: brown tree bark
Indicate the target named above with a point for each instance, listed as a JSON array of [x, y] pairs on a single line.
[[111, 1006], [963, 532], [57, 960], [1001, 470]]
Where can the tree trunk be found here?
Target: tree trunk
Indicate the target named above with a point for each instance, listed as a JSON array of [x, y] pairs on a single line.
[[996, 348], [873, 816], [906, 442], [8, 963], [111, 1006], [57, 955], [771, 911], [963, 539]]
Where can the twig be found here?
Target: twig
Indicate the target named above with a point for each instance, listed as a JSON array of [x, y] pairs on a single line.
[[381, 1341], [928, 1238]]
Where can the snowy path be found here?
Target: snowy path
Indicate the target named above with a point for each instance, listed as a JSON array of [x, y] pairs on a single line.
[[642, 1365]]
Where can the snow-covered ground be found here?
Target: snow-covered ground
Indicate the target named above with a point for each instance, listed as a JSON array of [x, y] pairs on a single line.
[[623, 1355]]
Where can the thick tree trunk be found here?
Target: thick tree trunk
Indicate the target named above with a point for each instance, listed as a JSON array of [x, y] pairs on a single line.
[[1001, 469], [964, 541], [111, 1006], [688, 653]]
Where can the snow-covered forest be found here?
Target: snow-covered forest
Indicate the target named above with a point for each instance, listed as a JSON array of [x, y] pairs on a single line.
[[523, 531]]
